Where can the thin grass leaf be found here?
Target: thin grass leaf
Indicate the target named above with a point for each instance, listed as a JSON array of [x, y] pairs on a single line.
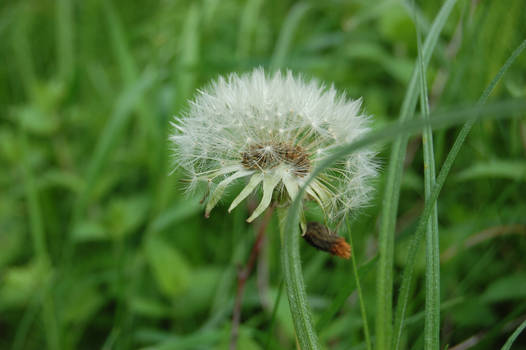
[[186, 70], [432, 309], [359, 289], [186, 73], [64, 33], [290, 257], [117, 36], [514, 170], [23, 55], [130, 74], [110, 135], [292, 22], [513, 336], [247, 26], [426, 214], [384, 285]]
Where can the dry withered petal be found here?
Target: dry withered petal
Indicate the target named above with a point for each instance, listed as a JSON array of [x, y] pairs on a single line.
[[322, 238]]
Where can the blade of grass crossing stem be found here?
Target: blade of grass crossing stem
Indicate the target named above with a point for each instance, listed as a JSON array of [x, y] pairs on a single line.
[[384, 285], [290, 258], [359, 289], [426, 214], [438, 120], [511, 339], [432, 309]]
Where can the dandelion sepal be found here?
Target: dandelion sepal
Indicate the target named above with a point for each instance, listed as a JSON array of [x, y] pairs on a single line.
[[254, 181], [220, 188], [270, 181]]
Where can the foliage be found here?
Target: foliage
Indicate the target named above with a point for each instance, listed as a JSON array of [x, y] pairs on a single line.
[[100, 247]]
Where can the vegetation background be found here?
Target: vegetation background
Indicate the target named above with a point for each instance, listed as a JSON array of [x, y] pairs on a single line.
[[100, 248]]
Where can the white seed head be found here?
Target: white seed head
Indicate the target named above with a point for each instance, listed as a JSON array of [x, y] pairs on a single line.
[[272, 131]]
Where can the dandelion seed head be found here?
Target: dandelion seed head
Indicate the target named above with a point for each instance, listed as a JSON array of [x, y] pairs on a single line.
[[271, 131]]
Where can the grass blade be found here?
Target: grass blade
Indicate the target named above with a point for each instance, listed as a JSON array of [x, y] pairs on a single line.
[[65, 47], [110, 135], [432, 309], [247, 26], [360, 295], [23, 55], [129, 72], [286, 35], [511, 339], [426, 214], [384, 286]]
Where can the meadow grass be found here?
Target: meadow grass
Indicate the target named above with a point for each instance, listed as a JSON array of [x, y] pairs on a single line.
[[101, 248]]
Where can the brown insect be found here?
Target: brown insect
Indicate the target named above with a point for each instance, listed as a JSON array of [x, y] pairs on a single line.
[[321, 237]]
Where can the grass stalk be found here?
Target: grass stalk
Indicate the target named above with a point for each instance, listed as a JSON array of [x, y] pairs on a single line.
[[432, 308], [513, 336], [426, 214], [384, 285], [64, 35], [359, 290]]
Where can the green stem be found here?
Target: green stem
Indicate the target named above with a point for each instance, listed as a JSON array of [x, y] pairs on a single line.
[[430, 202], [432, 310], [384, 278], [514, 336], [359, 289], [290, 261]]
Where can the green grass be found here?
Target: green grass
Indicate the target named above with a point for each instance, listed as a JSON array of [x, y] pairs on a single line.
[[100, 247]]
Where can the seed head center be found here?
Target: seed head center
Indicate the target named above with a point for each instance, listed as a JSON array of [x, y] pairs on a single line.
[[270, 155]]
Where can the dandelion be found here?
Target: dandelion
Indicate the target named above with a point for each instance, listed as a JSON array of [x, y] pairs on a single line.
[[271, 132]]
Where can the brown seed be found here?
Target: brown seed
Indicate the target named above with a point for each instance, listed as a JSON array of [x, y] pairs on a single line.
[[322, 238]]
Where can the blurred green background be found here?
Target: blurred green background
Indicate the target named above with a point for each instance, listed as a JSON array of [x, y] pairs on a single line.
[[99, 246]]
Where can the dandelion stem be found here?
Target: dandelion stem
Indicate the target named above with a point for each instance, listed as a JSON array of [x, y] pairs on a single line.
[[290, 261]]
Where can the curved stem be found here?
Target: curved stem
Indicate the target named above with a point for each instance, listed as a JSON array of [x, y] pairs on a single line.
[[290, 261]]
